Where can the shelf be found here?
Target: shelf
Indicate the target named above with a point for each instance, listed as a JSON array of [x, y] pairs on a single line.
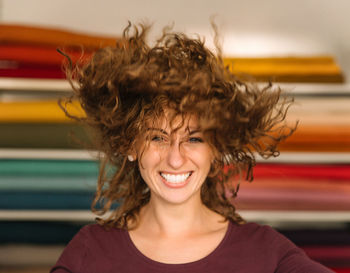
[[61, 154], [55, 85], [44, 85], [53, 154], [251, 216]]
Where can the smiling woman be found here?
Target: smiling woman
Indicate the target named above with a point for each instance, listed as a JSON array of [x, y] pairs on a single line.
[[169, 118], [174, 159]]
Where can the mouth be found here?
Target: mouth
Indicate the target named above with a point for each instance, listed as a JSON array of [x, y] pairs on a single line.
[[175, 179]]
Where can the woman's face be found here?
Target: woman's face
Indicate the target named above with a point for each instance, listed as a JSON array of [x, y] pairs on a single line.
[[174, 164]]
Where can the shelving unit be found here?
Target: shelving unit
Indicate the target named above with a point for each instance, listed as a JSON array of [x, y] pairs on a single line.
[[323, 138]]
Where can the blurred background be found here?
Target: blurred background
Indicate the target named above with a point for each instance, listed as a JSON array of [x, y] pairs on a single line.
[[47, 176]]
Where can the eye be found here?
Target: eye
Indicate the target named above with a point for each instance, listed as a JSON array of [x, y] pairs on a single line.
[[157, 138], [195, 140]]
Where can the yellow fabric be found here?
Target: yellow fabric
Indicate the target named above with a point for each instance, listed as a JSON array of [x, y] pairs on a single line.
[[37, 111], [287, 69]]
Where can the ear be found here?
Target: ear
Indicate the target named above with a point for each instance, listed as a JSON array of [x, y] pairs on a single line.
[[132, 155]]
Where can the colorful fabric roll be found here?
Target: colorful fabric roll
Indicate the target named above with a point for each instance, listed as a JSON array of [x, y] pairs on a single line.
[[41, 135], [45, 200], [318, 236], [313, 172], [41, 36], [40, 56], [332, 256], [48, 175], [37, 232]]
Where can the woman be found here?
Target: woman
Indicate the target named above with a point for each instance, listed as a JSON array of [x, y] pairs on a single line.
[[176, 129]]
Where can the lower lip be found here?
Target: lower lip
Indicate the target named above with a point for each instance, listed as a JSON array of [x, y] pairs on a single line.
[[176, 185]]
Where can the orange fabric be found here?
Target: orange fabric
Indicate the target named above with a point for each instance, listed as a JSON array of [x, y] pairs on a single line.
[[327, 137], [30, 35]]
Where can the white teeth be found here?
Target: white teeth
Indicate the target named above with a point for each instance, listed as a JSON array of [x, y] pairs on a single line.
[[175, 178]]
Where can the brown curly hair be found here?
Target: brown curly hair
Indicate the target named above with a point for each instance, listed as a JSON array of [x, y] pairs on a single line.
[[122, 87]]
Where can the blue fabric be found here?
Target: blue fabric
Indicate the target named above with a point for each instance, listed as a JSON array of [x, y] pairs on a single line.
[[38, 232], [20, 200]]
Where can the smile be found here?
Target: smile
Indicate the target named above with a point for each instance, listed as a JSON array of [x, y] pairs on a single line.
[[175, 178]]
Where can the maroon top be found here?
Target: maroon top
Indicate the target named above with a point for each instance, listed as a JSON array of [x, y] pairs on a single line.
[[247, 248]]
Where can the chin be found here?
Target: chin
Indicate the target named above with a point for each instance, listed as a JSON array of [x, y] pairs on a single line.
[[177, 198]]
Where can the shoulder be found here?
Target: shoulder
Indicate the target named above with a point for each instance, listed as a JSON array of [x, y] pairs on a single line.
[[262, 238], [98, 231], [264, 245], [98, 237], [252, 232], [91, 247]]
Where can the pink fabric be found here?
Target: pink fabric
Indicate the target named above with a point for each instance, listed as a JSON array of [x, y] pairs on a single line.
[[321, 171]]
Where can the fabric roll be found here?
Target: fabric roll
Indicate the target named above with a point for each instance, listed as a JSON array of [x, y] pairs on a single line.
[[287, 69], [38, 56], [33, 72], [316, 237], [46, 200], [23, 168], [264, 198], [331, 256], [43, 36], [47, 183], [43, 135], [328, 252], [322, 138], [341, 270], [37, 232], [40, 111], [48, 175], [311, 171]]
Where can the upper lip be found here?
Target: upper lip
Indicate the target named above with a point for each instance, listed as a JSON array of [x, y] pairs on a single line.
[[175, 173]]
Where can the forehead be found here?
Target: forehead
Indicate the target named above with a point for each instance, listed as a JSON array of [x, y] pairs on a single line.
[[171, 122]]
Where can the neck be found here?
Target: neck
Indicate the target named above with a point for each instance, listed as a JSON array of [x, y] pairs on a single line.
[[172, 220]]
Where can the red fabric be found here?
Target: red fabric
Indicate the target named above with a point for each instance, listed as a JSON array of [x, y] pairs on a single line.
[[341, 270], [37, 55], [41, 73], [328, 252]]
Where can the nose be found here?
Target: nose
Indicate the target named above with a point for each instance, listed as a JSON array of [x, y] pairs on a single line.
[[175, 156]]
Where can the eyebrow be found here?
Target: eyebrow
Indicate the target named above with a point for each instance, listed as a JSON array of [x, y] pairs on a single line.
[[157, 129], [194, 131], [164, 132]]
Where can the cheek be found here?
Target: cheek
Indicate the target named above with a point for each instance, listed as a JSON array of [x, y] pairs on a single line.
[[148, 162], [202, 157]]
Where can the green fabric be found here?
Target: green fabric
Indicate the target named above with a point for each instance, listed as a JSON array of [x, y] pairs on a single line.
[[43, 135], [16, 167], [48, 183], [53, 175]]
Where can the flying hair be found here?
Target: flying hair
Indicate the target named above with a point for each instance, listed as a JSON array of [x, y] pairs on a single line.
[[123, 88]]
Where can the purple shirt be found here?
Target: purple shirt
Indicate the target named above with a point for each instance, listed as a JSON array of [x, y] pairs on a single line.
[[248, 248]]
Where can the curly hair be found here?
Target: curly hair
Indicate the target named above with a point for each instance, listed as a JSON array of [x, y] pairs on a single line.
[[122, 87]]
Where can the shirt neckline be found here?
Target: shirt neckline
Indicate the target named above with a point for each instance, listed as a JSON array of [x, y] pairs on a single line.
[[202, 261]]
